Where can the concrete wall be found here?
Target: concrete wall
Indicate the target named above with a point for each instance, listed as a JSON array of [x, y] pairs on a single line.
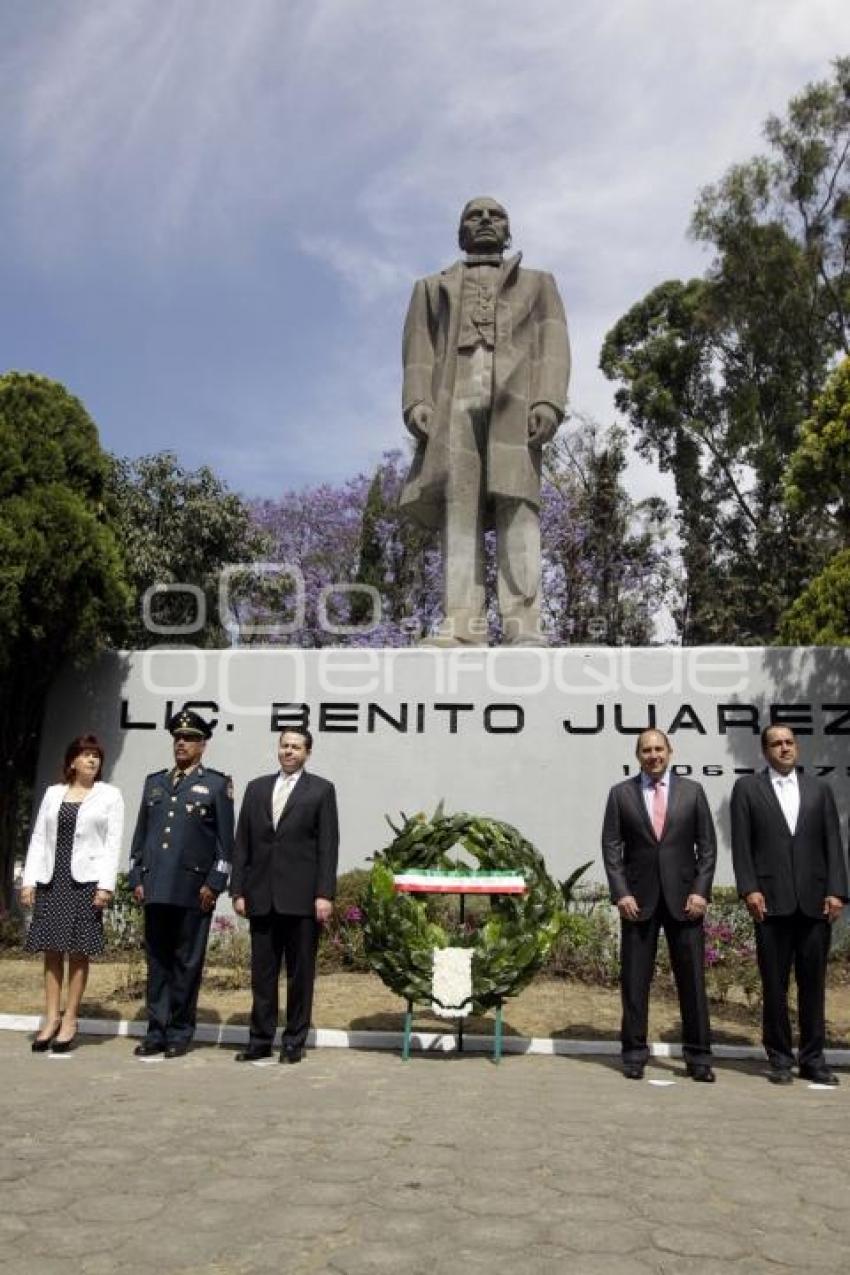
[[535, 737]]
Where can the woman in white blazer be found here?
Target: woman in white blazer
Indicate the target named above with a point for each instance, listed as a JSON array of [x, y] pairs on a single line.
[[69, 878]]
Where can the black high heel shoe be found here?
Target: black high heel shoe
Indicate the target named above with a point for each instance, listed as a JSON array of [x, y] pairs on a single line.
[[64, 1046], [41, 1046]]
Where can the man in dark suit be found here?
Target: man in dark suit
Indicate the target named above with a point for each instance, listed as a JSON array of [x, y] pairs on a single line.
[[179, 864], [284, 881], [791, 873], [659, 849]]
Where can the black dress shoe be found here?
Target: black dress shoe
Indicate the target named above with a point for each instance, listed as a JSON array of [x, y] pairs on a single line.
[[633, 1071], [780, 1076], [41, 1044], [701, 1072], [819, 1075], [177, 1050], [148, 1048], [254, 1053], [291, 1054]]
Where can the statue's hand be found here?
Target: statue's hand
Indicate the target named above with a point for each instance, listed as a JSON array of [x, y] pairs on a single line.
[[542, 423], [419, 420]]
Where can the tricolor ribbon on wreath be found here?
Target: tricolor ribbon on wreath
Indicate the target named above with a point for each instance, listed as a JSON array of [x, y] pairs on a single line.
[[432, 881]]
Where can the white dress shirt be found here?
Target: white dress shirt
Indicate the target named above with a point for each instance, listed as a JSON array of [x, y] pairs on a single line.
[[281, 792], [788, 794]]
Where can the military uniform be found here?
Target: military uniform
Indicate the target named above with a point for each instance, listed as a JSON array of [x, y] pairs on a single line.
[[182, 842]]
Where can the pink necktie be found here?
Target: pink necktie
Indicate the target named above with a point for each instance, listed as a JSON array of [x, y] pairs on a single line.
[[659, 808]]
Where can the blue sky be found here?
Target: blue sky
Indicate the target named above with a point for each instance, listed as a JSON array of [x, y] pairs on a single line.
[[212, 211]]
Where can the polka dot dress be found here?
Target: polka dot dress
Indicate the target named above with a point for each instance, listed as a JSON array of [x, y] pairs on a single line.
[[64, 918]]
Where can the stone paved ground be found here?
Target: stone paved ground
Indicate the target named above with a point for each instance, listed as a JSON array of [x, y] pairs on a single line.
[[356, 1163]]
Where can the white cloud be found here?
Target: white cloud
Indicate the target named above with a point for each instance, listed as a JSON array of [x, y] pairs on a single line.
[[369, 274], [343, 136], [373, 118]]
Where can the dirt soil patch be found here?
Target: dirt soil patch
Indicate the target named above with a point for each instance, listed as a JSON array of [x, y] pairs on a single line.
[[549, 1007]]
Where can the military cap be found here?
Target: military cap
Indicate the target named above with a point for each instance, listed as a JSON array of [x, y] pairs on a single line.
[[189, 723]]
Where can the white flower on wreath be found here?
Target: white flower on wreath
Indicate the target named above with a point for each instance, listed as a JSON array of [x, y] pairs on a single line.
[[451, 982]]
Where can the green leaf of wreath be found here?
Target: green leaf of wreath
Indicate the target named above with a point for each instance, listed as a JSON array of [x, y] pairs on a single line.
[[508, 949]]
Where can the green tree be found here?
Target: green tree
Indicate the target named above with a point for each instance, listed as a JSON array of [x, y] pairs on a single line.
[[371, 569], [180, 528], [606, 558], [660, 352], [717, 374], [62, 586], [397, 557], [821, 614], [818, 476]]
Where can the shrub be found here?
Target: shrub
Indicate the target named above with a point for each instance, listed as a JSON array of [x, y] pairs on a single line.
[[123, 932], [839, 953], [341, 941], [229, 954], [730, 950], [123, 920], [350, 890], [588, 947], [11, 930]]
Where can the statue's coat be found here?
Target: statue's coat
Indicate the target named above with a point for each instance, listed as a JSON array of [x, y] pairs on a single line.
[[531, 365]]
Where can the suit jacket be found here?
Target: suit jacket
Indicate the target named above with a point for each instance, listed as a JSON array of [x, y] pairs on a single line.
[[286, 868], [97, 837], [682, 862], [791, 871], [531, 365], [183, 837]]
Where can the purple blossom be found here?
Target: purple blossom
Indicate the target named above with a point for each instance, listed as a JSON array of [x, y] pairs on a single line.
[[318, 531], [598, 585]]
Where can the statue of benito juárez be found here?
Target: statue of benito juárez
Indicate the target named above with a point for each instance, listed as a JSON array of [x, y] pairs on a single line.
[[486, 368]]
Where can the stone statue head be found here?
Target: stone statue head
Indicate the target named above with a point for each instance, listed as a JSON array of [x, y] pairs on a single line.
[[484, 226]]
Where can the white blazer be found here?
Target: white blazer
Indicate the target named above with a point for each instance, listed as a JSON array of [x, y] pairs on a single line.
[[97, 837]]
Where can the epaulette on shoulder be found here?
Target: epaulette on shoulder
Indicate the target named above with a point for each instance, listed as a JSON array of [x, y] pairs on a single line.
[[166, 770], [211, 770]]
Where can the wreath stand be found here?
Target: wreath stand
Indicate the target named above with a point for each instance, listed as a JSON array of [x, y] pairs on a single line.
[[411, 883], [497, 1033], [413, 954]]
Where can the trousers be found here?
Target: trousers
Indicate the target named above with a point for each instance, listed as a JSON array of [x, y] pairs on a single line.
[[276, 939], [801, 941], [175, 943], [517, 523], [686, 944]]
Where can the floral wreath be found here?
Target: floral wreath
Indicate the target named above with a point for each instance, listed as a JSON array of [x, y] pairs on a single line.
[[508, 948]]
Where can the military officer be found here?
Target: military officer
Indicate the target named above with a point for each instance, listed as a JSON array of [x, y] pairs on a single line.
[[179, 864]]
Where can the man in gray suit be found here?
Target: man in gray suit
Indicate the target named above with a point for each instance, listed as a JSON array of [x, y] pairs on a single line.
[[791, 873], [660, 850], [486, 366]]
